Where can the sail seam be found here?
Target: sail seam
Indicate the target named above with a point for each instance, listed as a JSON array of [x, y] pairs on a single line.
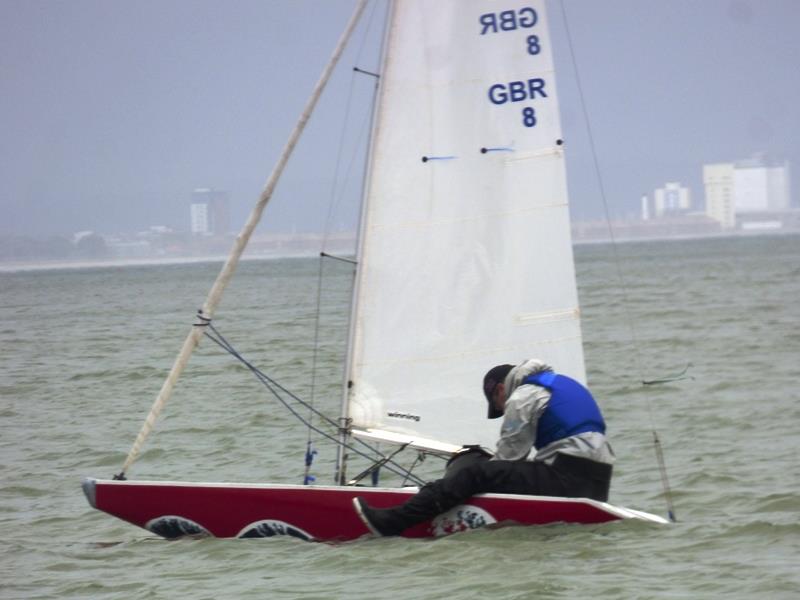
[[485, 350], [557, 315], [443, 222]]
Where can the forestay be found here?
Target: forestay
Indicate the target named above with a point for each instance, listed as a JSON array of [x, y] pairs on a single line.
[[465, 259]]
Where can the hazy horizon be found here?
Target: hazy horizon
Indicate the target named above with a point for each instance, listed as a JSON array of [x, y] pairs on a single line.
[[113, 113]]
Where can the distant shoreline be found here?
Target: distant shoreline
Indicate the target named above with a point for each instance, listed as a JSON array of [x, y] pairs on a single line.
[[689, 236], [56, 265], [59, 265]]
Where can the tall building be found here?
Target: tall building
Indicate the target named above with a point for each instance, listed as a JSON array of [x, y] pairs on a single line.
[[718, 180], [748, 189], [209, 212], [760, 187], [645, 207], [672, 199]]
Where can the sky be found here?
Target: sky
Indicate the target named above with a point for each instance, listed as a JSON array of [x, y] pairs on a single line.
[[112, 112]]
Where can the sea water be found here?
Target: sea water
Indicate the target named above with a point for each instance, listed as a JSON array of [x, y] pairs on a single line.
[[83, 353]]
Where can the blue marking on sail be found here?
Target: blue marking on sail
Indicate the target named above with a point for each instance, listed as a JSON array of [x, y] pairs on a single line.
[[427, 158], [498, 149]]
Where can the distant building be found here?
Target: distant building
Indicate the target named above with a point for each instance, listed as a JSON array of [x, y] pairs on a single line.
[[680, 226], [719, 185], [760, 187], [672, 199], [209, 212], [747, 192]]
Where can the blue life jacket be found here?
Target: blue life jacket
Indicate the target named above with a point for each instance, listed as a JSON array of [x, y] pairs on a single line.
[[571, 410]]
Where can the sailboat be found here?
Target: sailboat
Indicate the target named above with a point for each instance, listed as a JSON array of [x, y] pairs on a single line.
[[464, 261]]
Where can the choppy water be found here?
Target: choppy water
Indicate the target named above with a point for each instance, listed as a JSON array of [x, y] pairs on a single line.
[[84, 352]]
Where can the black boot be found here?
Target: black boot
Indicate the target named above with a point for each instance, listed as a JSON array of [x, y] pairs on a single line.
[[380, 521], [424, 505]]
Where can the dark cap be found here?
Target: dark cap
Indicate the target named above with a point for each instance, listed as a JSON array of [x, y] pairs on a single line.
[[495, 376]]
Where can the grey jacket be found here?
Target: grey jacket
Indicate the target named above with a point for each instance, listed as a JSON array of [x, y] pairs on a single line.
[[524, 406]]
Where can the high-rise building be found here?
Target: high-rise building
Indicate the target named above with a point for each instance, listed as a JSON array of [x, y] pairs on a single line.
[[672, 199], [749, 188], [209, 212], [718, 180], [760, 187], [645, 207]]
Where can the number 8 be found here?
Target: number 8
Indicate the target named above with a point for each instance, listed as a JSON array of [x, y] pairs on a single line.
[[528, 117], [533, 44]]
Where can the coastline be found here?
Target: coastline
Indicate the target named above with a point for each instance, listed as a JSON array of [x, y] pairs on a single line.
[[688, 237], [54, 265], [58, 265]]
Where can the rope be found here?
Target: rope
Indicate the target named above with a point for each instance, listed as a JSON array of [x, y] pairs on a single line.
[[333, 203], [310, 453], [337, 195], [307, 478], [375, 467], [344, 421], [659, 452], [228, 269], [274, 387], [418, 460], [339, 258]]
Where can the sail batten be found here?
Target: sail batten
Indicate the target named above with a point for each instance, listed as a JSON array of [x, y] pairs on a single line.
[[465, 257]]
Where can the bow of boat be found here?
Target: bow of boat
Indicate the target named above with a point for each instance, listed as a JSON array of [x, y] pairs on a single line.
[[89, 486]]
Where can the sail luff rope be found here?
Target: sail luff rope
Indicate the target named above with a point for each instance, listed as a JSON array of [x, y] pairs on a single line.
[[626, 300], [345, 421], [359, 137], [215, 294]]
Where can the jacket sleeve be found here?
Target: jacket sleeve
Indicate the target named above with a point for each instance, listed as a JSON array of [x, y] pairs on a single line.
[[518, 433]]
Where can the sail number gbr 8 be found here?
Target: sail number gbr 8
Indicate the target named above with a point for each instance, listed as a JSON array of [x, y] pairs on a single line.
[[521, 90]]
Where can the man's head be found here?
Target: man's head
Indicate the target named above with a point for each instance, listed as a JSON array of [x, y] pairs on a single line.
[[494, 389]]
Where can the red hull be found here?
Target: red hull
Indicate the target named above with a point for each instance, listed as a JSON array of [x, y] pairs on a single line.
[[321, 513]]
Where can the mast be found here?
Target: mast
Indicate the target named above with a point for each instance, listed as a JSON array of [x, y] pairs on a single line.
[[215, 294], [340, 476]]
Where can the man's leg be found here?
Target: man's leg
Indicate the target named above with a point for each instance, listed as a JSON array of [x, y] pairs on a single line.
[[584, 478], [509, 477]]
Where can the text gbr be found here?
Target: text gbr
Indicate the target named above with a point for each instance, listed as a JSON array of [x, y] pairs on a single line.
[[508, 20], [515, 91]]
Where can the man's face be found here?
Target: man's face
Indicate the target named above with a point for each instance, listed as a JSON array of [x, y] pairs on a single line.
[[499, 397]]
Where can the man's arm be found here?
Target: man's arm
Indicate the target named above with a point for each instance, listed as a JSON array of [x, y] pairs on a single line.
[[518, 433]]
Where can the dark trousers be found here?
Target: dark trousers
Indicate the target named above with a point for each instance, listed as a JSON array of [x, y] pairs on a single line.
[[568, 476]]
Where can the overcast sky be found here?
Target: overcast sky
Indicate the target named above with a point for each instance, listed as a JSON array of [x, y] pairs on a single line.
[[112, 112]]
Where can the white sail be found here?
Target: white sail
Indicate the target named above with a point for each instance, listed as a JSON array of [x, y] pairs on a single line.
[[465, 256]]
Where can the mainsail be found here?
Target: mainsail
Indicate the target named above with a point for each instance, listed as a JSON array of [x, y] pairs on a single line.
[[465, 257]]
